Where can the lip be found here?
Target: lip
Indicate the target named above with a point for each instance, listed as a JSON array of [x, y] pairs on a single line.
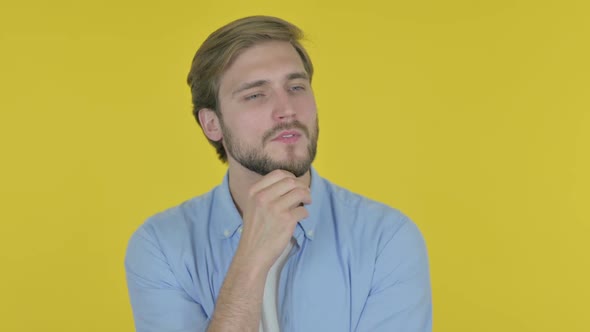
[[295, 133]]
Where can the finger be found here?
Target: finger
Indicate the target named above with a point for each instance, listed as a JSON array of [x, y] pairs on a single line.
[[282, 187], [269, 179], [293, 199], [299, 213]]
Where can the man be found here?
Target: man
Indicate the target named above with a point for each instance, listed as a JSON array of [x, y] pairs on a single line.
[[275, 246]]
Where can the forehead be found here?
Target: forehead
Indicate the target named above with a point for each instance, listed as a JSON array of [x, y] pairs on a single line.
[[271, 60]]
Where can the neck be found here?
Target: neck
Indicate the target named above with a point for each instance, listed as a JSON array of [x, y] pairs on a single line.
[[241, 179]]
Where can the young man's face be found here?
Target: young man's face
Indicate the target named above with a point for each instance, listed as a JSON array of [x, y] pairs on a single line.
[[269, 117]]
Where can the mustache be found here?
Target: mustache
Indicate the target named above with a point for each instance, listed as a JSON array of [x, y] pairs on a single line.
[[285, 126]]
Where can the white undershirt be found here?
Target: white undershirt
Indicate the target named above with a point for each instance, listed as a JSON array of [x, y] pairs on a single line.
[[269, 321]]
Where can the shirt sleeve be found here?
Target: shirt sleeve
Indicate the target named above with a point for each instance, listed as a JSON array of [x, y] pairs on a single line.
[[158, 301], [400, 297]]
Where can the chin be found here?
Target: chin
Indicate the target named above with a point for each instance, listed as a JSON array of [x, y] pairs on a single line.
[[298, 167]]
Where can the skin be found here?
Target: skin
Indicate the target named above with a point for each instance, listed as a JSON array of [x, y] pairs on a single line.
[[270, 203]]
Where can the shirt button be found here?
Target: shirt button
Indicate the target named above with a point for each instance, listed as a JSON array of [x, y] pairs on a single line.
[[310, 233], [226, 233], [240, 230]]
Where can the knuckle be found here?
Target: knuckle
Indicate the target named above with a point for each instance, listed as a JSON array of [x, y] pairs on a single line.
[[302, 192], [260, 198], [286, 174], [251, 192], [275, 210], [279, 173], [287, 216], [290, 181], [300, 213]]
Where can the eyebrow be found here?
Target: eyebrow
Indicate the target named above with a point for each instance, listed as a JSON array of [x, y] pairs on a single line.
[[294, 76], [249, 85], [258, 83]]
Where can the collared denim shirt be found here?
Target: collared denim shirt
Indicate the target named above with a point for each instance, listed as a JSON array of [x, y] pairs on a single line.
[[358, 265]]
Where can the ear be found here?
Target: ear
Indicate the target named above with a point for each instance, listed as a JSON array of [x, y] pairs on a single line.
[[210, 124]]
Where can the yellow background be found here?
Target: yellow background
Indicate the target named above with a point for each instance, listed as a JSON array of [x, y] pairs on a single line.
[[473, 117]]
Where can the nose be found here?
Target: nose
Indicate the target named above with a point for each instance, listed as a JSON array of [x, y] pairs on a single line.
[[283, 108]]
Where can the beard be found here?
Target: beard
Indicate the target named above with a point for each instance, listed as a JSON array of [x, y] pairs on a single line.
[[258, 161]]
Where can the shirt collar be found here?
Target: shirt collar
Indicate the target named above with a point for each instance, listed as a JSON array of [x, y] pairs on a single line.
[[318, 192], [226, 219]]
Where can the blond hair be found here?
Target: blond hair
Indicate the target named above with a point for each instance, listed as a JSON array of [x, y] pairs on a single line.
[[222, 47]]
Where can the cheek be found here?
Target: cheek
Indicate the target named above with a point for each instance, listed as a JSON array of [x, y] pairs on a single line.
[[247, 128], [307, 107]]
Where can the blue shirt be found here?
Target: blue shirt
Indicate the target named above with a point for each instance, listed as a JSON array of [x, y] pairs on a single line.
[[358, 265]]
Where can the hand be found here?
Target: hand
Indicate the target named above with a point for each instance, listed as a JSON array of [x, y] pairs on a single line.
[[272, 210]]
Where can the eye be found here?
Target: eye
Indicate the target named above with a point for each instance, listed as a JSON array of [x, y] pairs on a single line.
[[253, 96], [297, 88]]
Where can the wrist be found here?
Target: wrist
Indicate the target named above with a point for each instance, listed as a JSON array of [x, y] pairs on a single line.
[[248, 270]]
